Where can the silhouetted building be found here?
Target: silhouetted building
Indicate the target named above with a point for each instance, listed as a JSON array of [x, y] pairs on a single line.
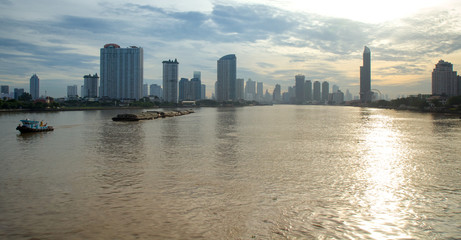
[[335, 88], [203, 92], [155, 90], [365, 77], [90, 86], [445, 81], [259, 91], [277, 95], [317, 96], [170, 81], [5, 89], [348, 96], [195, 89], [184, 90], [17, 92], [122, 72], [35, 87], [240, 89], [250, 90], [336, 97], [72, 91], [325, 91], [227, 75], [308, 86], [300, 89]]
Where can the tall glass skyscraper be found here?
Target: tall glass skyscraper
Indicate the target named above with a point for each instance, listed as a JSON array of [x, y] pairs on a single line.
[[122, 72], [365, 77], [35, 86], [227, 75], [170, 81]]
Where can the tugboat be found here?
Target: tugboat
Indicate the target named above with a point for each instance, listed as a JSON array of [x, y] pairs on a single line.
[[33, 126]]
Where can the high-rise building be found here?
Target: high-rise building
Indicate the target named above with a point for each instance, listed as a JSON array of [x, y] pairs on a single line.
[[277, 95], [325, 91], [227, 72], [317, 96], [336, 97], [365, 77], [5, 89], [18, 92], [155, 90], [335, 88], [308, 86], [72, 91], [250, 90], [145, 90], [445, 81], [240, 89], [348, 96], [203, 92], [170, 81], [184, 89], [35, 87], [195, 89], [300, 89], [259, 91], [122, 72], [90, 86], [198, 74]]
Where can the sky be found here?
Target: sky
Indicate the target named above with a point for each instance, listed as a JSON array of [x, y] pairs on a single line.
[[273, 40]]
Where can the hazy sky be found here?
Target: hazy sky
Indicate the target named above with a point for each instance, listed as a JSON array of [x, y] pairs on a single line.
[[273, 40]]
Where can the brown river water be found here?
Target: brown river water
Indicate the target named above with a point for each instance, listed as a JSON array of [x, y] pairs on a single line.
[[273, 172]]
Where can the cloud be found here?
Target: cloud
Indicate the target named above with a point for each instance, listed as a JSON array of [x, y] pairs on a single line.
[[272, 44]]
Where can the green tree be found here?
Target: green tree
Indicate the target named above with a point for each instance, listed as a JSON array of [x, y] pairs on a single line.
[[25, 97]]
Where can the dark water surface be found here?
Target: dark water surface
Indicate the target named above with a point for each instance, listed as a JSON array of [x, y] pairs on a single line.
[[276, 172]]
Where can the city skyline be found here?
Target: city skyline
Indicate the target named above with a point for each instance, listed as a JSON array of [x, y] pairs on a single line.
[[273, 41]]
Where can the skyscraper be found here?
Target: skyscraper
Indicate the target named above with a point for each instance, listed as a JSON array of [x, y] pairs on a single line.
[[198, 74], [445, 81], [365, 77], [5, 89], [300, 89], [203, 92], [277, 95], [90, 86], [240, 89], [227, 72], [155, 90], [170, 81], [145, 90], [308, 86], [35, 87], [259, 91], [325, 91], [72, 91], [195, 89], [183, 89], [250, 90], [121, 72], [317, 96]]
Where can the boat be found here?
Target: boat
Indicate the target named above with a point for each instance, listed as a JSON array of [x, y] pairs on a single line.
[[28, 125]]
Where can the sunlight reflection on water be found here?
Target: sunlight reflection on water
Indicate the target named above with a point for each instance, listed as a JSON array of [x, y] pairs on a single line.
[[279, 172]]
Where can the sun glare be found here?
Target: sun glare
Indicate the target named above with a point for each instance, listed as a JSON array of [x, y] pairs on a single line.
[[361, 10]]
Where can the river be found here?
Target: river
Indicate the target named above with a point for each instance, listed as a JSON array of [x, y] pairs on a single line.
[[272, 172]]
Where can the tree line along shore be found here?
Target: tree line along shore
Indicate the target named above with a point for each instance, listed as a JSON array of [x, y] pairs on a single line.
[[450, 105]]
